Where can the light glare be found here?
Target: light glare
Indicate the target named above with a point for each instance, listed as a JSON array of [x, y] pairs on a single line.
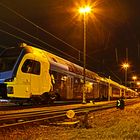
[[85, 9], [134, 77], [125, 65]]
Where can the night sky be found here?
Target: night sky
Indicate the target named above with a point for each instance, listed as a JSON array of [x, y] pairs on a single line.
[[113, 31]]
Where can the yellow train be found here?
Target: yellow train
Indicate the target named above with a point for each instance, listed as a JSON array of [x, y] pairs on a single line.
[[29, 74]]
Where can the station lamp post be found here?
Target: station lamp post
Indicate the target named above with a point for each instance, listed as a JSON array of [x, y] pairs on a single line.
[[125, 67], [85, 10]]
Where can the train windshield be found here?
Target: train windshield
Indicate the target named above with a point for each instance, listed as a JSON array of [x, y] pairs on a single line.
[[8, 58]]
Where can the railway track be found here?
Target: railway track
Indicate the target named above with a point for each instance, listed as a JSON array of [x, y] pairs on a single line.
[[20, 118]]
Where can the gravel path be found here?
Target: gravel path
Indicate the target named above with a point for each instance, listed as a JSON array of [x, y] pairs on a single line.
[[113, 124]]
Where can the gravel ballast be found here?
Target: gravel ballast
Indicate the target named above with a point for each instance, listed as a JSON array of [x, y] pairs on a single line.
[[112, 124]]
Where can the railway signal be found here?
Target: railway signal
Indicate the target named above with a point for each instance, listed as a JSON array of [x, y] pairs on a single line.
[[120, 104]]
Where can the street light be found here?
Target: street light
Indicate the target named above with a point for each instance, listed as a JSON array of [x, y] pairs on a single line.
[[125, 66], [84, 10], [134, 78]]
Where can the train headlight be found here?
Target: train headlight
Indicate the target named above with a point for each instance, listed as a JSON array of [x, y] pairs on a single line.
[[10, 90]]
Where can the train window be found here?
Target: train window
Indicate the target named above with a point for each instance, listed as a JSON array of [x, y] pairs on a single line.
[[28, 64], [36, 68], [31, 66]]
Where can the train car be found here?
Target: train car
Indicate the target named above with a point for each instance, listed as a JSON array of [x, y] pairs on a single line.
[[29, 74], [111, 90]]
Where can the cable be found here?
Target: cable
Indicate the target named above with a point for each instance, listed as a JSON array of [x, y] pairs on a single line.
[[33, 36], [27, 34], [37, 25], [35, 44]]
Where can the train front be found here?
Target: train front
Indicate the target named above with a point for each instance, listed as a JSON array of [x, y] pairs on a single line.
[[9, 61]]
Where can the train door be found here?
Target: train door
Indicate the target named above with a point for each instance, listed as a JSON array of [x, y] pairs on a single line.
[[23, 78], [47, 80], [40, 78], [35, 77], [59, 81], [96, 90], [69, 87], [103, 91]]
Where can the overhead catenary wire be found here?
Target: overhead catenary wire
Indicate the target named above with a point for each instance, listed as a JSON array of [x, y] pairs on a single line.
[[5, 32], [37, 26], [33, 43], [34, 38], [29, 35]]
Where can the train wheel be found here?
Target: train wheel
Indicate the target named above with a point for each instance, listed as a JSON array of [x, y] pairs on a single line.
[[57, 96], [47, 98]]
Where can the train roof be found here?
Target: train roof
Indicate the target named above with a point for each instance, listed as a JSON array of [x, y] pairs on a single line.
[[61, 63]]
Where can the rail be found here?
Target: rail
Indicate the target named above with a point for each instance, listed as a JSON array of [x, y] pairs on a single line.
[[19, 118]]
